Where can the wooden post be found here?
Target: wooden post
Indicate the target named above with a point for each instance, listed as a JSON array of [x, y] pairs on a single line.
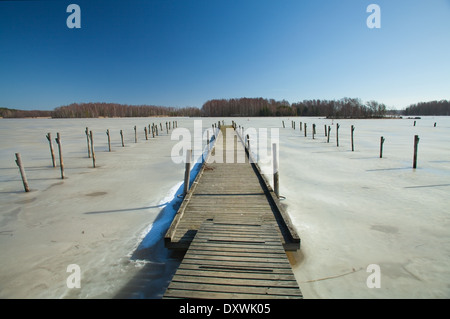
[[283, 124], [314, 130], [276, 180], [109, 140], [248, 144], [22, 172], [329, 131], [61, 162], [92, 148], [160, 124], [353, 147], [88, 143], [146, 135], [337, 134], [52, 152], [414, 123], [416, 143], [121, 136], [381, 146], [325, 127], [301, 125], [167, 128], [187, 173], [135, 134], [305, 129], [153, 131]]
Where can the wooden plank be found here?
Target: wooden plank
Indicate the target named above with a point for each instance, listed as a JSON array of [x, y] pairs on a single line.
[[179, 293], [202, 287], [227, 274]]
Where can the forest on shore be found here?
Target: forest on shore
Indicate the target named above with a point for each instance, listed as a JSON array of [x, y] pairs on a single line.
[[240, 107]]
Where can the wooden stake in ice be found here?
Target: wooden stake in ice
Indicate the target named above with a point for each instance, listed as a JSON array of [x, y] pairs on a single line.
[[283, 124], [135, 134], [248, 145], [353, 129], [381, 146], [305, 129], [61, 163], [109, 140], [276, 181], [87, 139], [337, 134], [146, 135], [22, 172], [313, 130], [52, 152], [329, 131], [121, 136], [187, 173], [92, 148], [325, 127], [416, 143]]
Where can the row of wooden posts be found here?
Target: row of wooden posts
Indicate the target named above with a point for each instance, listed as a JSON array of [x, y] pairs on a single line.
[[90, 147], [327, 130], [187, 170], [275, 162], [352, 128]]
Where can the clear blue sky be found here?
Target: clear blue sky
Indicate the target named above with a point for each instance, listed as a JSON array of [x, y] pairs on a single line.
[[185, 52]]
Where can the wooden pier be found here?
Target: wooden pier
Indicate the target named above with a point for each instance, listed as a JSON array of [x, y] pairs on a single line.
[[235, 232]]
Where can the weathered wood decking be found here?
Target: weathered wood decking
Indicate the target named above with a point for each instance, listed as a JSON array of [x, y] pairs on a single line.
[[227, 260], [235, 231]]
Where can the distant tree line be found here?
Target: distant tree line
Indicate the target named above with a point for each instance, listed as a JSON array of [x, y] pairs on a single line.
[[244, 107], [429, 108], [343, 108], [13, 113], [94, 110]]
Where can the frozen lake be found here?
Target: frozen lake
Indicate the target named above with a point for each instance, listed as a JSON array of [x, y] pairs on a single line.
[[351, 209]]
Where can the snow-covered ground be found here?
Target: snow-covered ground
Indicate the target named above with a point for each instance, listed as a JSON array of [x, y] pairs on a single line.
[[351, 209]]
